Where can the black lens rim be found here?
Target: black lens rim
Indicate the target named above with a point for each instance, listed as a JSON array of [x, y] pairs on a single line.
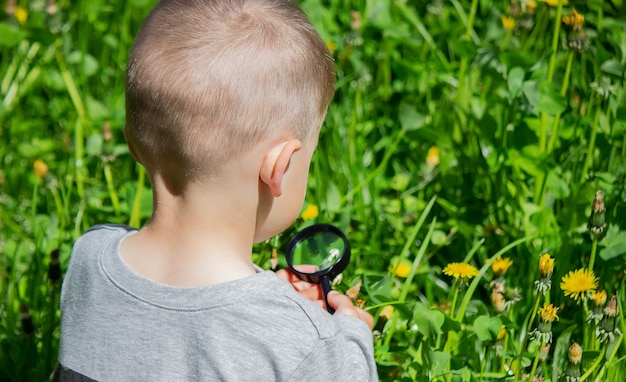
[[330, 272]]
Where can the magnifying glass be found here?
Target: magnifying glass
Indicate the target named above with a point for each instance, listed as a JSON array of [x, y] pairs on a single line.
[[318, 254]]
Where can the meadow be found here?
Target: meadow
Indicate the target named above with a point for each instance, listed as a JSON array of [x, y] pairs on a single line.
[[474, 153]]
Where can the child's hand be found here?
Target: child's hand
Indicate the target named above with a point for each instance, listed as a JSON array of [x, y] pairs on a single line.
[[307, 290], [343, 305]]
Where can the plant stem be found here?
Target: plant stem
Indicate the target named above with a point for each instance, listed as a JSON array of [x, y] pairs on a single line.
[[527, 324], [536, 360], [590, 147], [592, 257]]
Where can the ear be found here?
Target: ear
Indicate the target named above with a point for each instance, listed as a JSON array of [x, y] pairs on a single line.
[[131, 148], [275, 165]]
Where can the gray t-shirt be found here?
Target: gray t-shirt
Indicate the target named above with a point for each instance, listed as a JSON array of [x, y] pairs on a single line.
[[119, 326]]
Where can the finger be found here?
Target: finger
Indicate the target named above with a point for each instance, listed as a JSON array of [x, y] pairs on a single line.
[[312, 293], [366, 317]]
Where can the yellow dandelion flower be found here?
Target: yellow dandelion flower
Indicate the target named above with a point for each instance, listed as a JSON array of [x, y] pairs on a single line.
[[508, 22], [501, 333], [40, 168], [548, 313], [579, 282], [460, 270], [598, 297], [310, 212], [500, 266], [432, 158], [400, 269], [574, 20], [21, 14], [387, 312], [332, 47], [554, 3], [546, 265], [531, 5]]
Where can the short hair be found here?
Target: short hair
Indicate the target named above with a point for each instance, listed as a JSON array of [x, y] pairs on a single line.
[[207, 79]]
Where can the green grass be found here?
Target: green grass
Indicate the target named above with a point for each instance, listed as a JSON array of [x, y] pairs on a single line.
[[526, 130]]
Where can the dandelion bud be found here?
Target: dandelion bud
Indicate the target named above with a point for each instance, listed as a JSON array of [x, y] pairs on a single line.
[[355, 24], [274, 259], [609, 330], [52, 8], [353, 292], [546, 267], [574, 355], [40, 168], [9, 8], [497, 297], [26, 319], [598, 298], [54, 267], [387, 312], [107, 134], [596, 219]]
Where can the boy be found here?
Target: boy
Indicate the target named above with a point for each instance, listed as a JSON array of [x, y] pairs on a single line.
[[225, 99]]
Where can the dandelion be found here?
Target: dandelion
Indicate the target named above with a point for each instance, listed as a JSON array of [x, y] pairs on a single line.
[[578, 283], [531, 5], [332, 47], [387, 312], [508, 22], [500, 266], [21, 15], [547, 315], [310, 213], [462, 271], [554, 3], [499, 344], [598, 298], [546, 267], [609, 331], [353, 292], [575, 20], [40, 168], [26, 320], [400, 269], [574, 356], [497, 297], [432, 158], [54, 267], [596, 219]]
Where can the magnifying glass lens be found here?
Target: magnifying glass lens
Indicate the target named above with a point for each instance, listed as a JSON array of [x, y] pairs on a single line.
[[318, 252]]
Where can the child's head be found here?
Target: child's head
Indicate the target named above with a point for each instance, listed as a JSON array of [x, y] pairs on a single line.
[[209, 79]]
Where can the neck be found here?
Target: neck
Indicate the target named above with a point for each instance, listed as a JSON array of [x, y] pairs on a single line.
[[202, 237]]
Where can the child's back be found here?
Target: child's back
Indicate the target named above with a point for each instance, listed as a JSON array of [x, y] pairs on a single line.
[[224, 104]]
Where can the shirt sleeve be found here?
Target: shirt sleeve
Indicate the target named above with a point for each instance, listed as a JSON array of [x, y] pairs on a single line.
[[347, 356]]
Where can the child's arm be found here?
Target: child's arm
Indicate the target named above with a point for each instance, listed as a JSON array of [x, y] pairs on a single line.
[[338, 301]]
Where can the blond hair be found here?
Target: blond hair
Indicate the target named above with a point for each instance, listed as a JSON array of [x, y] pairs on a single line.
[[207, 79]]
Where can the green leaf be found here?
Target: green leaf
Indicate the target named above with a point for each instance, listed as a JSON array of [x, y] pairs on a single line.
[[333, 197], [614, 244], [429, 322], [557, 184], [515, 81], [438, 361], [551, 101], [10, 35], [487, 328], [410, 118]]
